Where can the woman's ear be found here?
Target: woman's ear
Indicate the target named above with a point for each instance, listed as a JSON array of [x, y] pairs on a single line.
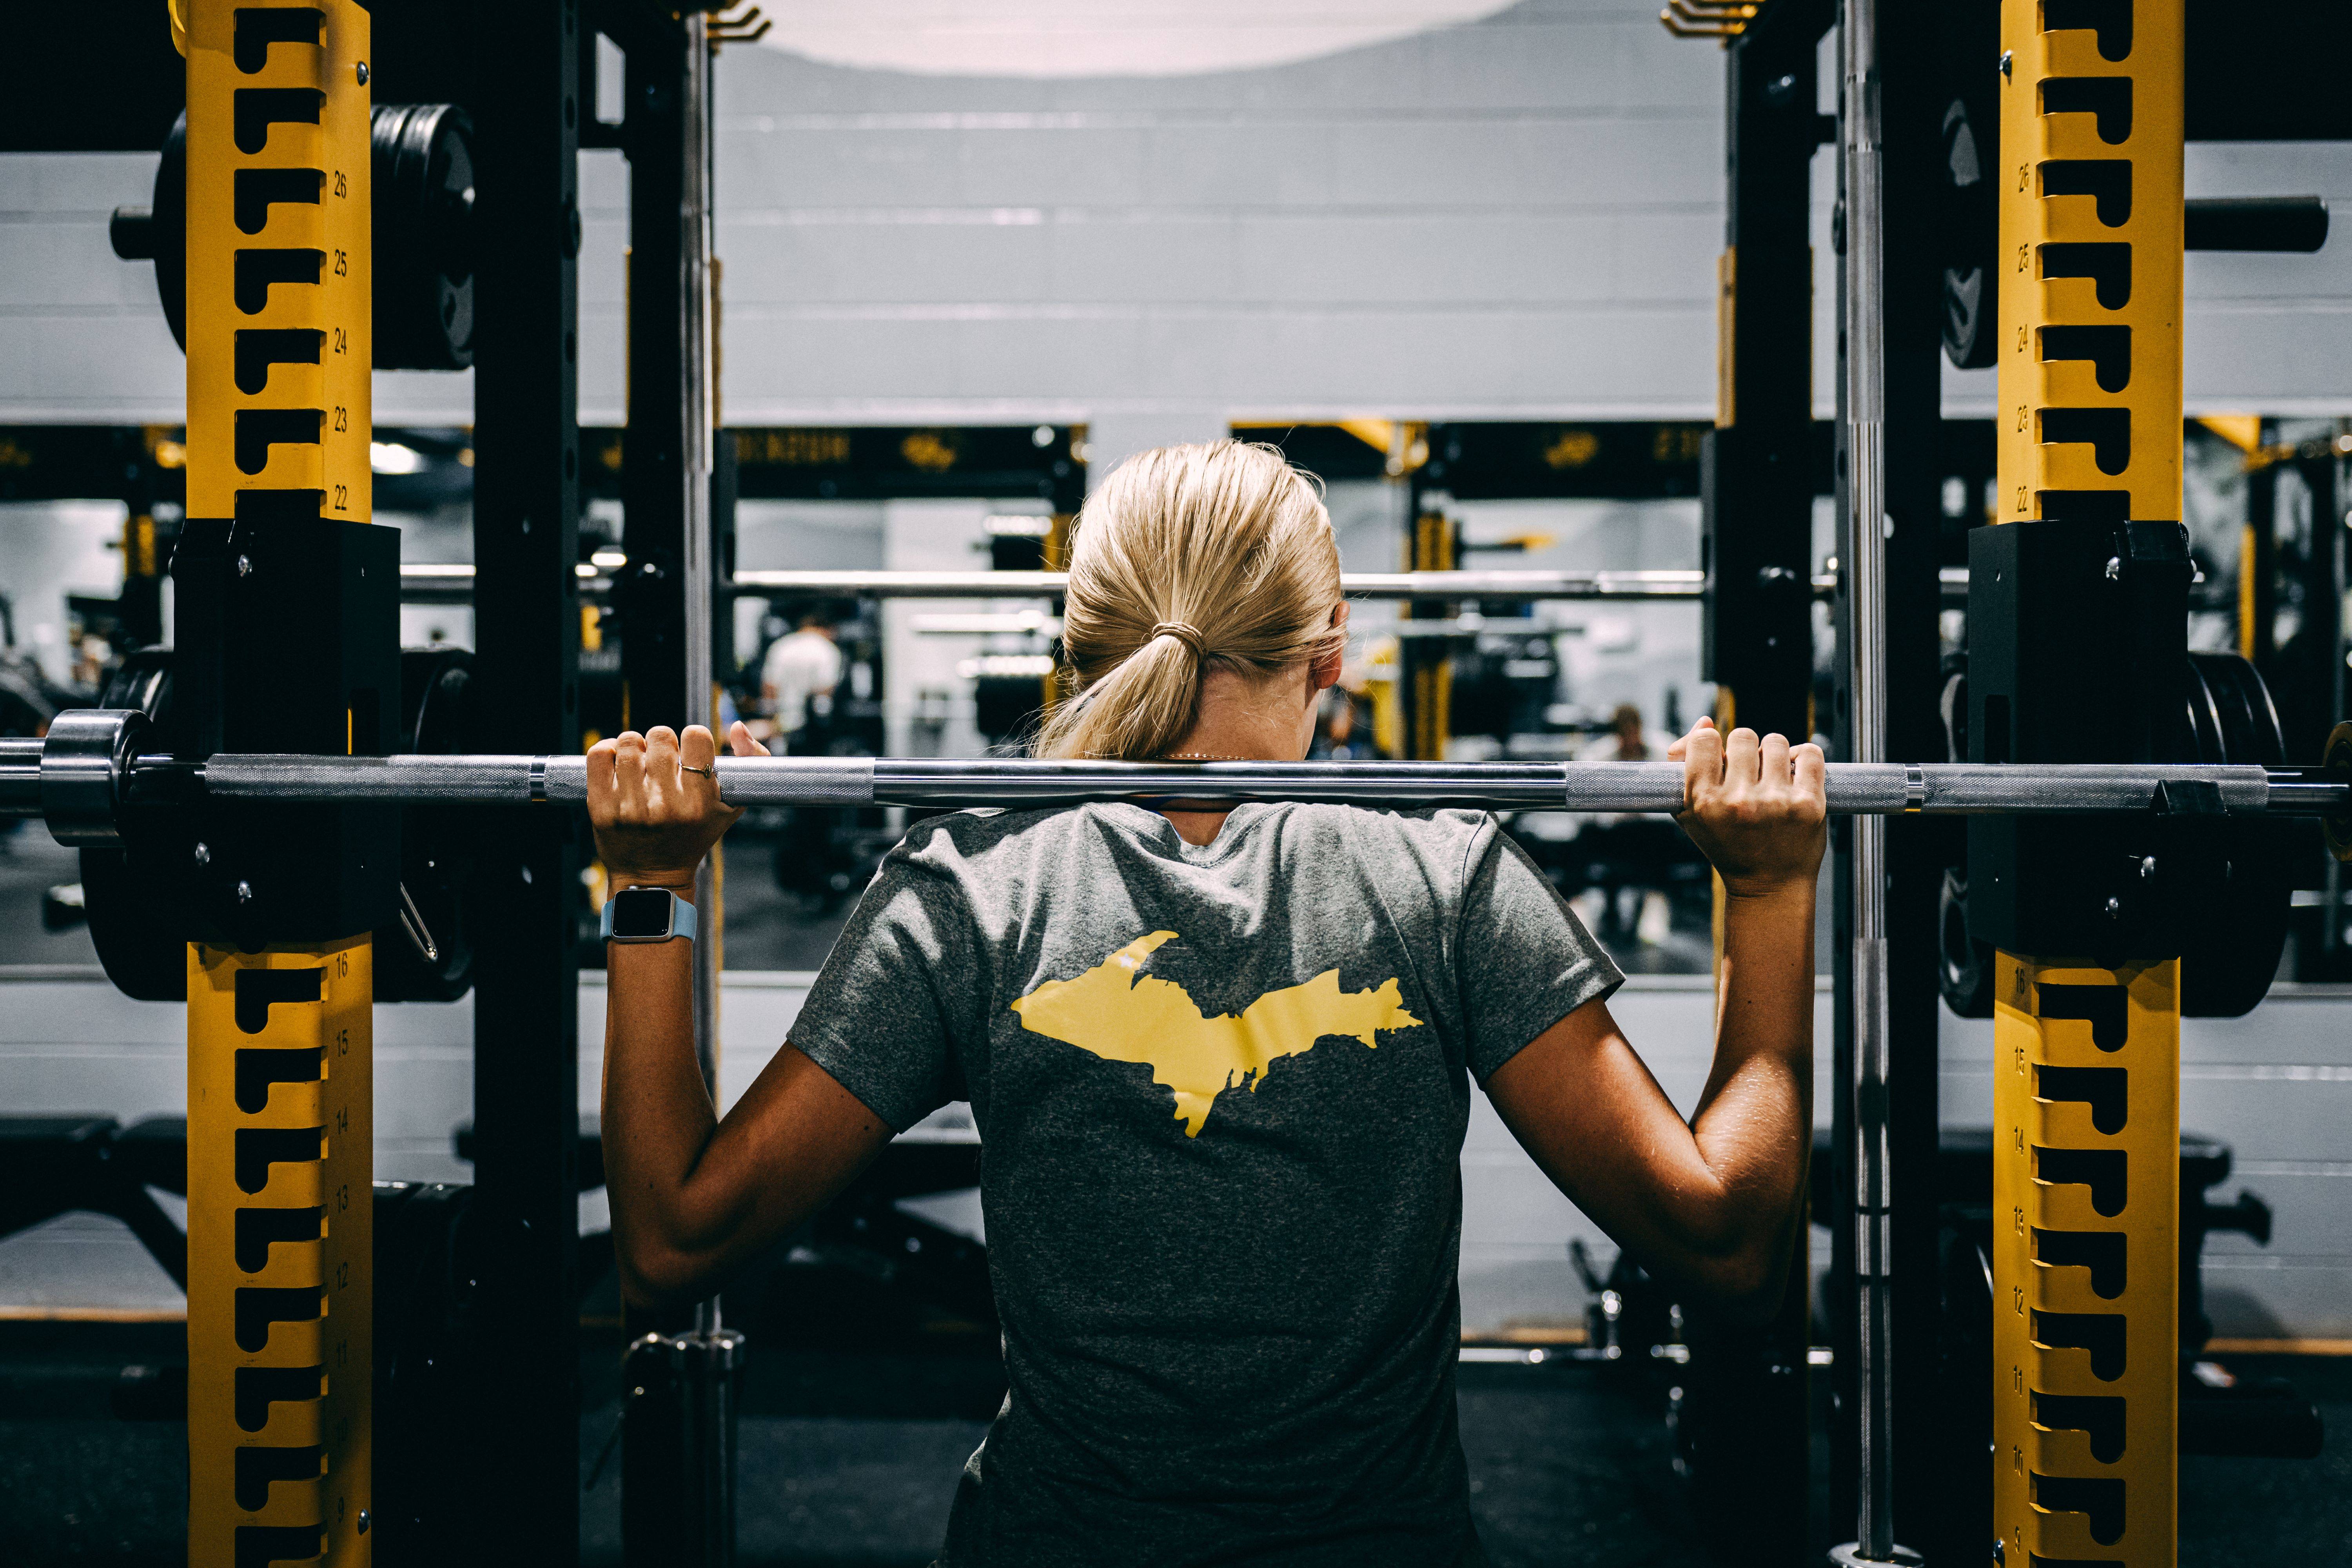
[[1325, 671]]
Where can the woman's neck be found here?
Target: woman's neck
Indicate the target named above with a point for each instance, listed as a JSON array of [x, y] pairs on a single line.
[[1243, 719]]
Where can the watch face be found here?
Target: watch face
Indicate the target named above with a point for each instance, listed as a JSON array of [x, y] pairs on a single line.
[[641, 912]]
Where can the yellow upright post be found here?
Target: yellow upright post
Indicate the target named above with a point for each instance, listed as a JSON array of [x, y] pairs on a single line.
[[1056, 559], [280, 1123], [2086, 1196], [279, 1350], [1424, 666], [2087, 1063]]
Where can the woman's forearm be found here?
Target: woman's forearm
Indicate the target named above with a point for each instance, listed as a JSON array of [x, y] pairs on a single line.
[[692, 1195], [657, 1114], [1754, 1123], [1711, 1202]]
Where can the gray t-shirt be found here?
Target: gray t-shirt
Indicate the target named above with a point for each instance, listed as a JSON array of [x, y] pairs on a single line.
[[1220, 1092]]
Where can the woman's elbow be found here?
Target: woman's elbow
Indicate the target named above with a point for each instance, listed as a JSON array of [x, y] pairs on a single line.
[[1745, 1283], [655, 1276]]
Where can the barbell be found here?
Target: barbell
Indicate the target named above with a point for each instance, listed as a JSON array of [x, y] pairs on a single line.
[[94, 763], [453, 583]]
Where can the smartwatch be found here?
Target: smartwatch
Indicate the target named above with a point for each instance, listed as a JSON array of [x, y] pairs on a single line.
[[647, 914]]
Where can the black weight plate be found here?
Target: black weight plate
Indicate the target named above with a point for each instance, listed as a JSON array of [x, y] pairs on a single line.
[[142, 947], [2200, 739], [2337, 759], [1967, 52], [170, 227], [2229, 966], [2249, 723], [437, 700], [424, 204], [143, 680], [1964, 966], [140, 950], [437, 843], [1955, 706]]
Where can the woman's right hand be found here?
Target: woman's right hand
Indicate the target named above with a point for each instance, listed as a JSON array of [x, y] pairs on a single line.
[[653, 802], [1757, 808]]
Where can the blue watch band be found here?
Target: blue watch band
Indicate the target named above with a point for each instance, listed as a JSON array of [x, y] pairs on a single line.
[[684, 918]]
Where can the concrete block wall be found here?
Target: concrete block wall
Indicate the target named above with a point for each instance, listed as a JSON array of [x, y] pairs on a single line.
[[1512, 216]]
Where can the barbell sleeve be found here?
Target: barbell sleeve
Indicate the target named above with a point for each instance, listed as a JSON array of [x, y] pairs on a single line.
[[20, 776]]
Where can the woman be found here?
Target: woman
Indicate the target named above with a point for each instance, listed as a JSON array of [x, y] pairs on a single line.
[[1221, 1065]]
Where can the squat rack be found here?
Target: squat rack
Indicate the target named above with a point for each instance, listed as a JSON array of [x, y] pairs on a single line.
[[519, 1487]]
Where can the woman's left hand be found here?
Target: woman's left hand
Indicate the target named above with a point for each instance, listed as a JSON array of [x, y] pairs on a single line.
[[653, 802], [1758, 808]]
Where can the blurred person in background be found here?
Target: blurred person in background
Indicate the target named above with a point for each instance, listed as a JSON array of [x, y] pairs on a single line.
[[1341, 734], [1630, 854], [797, 677]]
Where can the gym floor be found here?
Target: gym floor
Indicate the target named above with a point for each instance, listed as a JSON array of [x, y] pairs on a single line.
[[30, 864], [857, 1420]]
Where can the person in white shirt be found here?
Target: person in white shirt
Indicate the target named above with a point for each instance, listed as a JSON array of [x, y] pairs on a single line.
[[797, 677], [802, 666]]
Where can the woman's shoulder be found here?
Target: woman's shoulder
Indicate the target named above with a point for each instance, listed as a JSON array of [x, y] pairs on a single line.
[[972, 832], [1433, 833], [973, 860], [994, 842]]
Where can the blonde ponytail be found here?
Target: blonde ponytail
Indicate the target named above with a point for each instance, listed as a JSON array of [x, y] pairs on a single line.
[[1217, 555]]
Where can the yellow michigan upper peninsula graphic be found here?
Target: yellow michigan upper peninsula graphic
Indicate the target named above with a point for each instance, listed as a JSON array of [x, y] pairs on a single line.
[[1124, 1016]]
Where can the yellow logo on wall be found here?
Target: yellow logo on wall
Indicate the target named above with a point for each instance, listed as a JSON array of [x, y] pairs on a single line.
[[1573, 450], [1123, 1016], [934, 451]]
